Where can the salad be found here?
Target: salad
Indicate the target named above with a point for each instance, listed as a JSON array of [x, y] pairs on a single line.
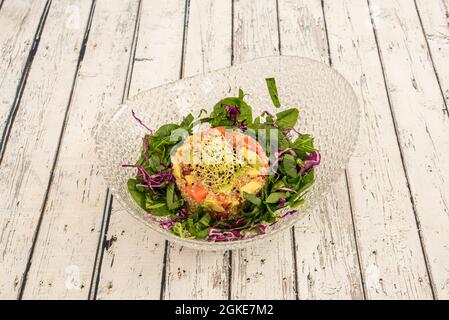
[[224, 175]]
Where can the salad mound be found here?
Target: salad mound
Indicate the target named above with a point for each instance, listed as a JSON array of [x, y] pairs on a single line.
[[215, 168], [224, 176]]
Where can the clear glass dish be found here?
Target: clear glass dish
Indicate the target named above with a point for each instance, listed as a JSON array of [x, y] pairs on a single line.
[[328, 109]]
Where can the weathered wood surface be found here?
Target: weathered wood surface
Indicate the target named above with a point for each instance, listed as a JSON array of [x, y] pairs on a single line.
[[133, 266], [20, 23], [390, 252], [65, 249], [422, 125], [382, 232], [326, 252], [33, 140]]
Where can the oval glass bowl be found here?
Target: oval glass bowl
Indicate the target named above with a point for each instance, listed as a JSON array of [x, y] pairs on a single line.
[[328, 109]]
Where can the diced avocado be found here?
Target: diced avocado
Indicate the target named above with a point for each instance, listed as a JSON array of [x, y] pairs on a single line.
[[177, 171], [252, 187], [250, 171], [227, 188], [234, 203], [189, 178], [212, 205]]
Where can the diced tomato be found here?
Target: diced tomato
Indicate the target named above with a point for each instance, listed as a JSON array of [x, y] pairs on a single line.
[[197, 193], [221, 129]]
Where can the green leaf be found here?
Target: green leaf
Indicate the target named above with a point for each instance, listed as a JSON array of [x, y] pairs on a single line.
[[165, 130], [307, 181], [287, 119], [198, 224], [187, 121], [252, 198], [273, 91], [289, 164], [205, 220], [297, 203], [275, 197], [303, 145], [154, 163], [180, 231], [138, 197], [246, 113], [170, 196], [241, 94], [158, 205]]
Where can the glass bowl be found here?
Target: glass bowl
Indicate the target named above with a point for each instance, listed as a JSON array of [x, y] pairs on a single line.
[[328, 109]]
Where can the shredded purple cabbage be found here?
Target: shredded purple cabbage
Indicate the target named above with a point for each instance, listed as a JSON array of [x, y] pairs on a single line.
[[217, 235], [282, 201], [286, 189], [153, 181], [310, 162], [167, 224], [146, 145], [289, 213], [182, 214], [141, 122], [233, 112]]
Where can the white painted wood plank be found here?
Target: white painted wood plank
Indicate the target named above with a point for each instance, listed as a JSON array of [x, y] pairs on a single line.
[[265, 271], [392, 261], [19, 21], [423, 126], [326, 252], [193, 274], [132, 267], [434, 15], [65, 249], [25, 169]]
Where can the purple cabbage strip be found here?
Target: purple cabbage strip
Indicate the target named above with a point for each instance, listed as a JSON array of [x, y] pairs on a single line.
[[182, 213], [146, 145], [217, 235], [310, 162], [282, 201], [286, 189], [167, 224], [233, 112], [289, 213], [141, 122], [153, 181]]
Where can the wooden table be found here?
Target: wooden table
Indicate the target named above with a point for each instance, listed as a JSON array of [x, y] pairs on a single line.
[[383, 233]]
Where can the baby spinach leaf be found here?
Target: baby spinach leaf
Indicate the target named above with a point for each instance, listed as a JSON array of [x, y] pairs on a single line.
[[187, 121], [289, 164], [139, 197], [252, 198], [303, 145], [273, 91], [165, 130], [287, 119], [275, 197]]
